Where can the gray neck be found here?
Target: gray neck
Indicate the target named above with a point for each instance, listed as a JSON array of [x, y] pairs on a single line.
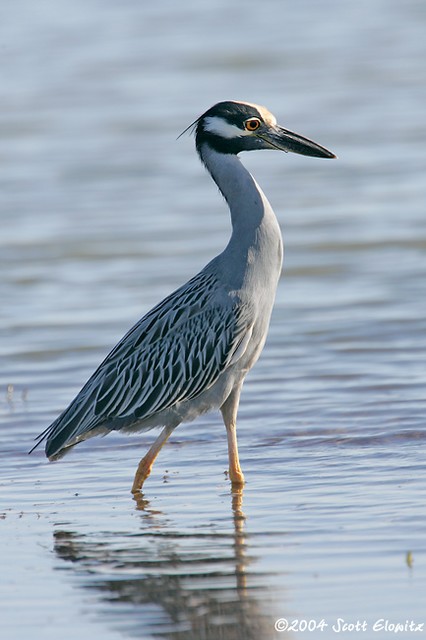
[[255, 249], [254, 225], [247, 202]]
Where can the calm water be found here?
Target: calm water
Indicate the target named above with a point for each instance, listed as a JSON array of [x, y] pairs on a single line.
[[103, 212]]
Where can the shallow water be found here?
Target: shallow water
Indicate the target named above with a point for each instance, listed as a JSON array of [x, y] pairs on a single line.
[[103, 213]]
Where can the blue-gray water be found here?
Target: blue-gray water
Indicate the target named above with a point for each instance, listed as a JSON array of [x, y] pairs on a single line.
[[103, 212]]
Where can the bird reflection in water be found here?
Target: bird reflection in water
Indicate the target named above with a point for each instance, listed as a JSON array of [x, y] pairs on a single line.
[[179, 585]]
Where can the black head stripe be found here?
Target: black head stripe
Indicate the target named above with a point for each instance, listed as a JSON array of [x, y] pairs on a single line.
[[234, 112]]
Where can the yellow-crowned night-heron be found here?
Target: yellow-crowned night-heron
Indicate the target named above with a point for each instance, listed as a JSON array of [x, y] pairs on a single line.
[[192, 352]]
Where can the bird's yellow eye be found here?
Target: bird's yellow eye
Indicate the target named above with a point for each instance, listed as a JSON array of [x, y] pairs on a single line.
[[252, 124]]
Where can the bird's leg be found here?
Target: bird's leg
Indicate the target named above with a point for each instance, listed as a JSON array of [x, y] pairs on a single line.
[[235, 473], [229, 413], [145, 465]]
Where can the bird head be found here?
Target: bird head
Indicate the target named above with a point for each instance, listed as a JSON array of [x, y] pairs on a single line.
[[231, 127]]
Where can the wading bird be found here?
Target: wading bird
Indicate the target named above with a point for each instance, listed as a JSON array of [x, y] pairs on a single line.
[[192, 351]]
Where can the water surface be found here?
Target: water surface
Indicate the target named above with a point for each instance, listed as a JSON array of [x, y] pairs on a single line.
[[103, 213]]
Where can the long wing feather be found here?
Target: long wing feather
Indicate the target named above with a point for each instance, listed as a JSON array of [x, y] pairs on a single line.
[[171, 355]]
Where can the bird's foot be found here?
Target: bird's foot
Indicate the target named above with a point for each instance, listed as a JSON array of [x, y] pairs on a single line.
[[237, 478], [143, 471]]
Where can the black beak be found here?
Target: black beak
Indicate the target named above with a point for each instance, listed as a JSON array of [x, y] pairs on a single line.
[[284, 140]]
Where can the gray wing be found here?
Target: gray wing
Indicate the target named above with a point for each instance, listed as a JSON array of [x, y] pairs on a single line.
[[174, 353]]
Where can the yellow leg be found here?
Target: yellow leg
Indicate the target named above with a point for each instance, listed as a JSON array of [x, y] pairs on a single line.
[[229, 413], [235, 472], [145, 465]]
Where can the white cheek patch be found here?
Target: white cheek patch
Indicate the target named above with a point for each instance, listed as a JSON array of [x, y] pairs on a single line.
[[220, 127]]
